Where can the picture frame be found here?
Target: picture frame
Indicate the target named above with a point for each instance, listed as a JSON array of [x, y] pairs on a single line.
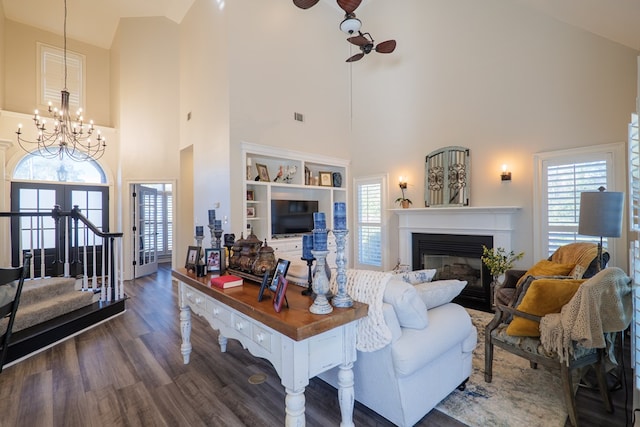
[[250, 196], [263, 172], [326, 179], [193, 255], [213, 260], [251, 212], [280, 296], [282, 266], [263, 286]]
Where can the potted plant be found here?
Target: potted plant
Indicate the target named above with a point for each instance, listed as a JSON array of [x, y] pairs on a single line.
[[498, 261], [403, 201]]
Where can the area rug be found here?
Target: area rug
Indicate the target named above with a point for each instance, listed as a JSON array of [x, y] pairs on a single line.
[[517, 395]]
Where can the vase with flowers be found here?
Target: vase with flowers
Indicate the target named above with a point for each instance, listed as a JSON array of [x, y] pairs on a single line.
[[498, 261]]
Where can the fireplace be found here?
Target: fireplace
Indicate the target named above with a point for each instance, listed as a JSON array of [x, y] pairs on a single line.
[[456, 256], [492, 226]]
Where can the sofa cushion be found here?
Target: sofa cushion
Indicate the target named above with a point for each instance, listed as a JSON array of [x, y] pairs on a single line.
[[543, 296], [440, 292], [449, 326], [547, 268], [391, 319], [417, 276], [409, 308]]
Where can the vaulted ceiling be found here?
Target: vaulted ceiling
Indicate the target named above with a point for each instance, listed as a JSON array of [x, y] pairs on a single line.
[[95, 21]]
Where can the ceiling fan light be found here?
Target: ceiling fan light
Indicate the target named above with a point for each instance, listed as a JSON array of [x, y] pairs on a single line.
[[350, 25]]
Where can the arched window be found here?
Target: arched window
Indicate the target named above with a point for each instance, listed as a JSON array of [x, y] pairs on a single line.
[[36, 168]]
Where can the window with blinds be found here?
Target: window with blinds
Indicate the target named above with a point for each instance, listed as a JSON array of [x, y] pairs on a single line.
[[369, 202], [51, 78], [634, 236], [560, 177], [565, 182]]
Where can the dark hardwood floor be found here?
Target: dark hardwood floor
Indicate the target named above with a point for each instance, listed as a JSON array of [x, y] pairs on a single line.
[[129, 372]]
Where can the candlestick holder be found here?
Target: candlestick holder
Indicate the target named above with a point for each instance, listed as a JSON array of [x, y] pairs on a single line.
[[342, 298], [216, 235], [320, 285], [200, 267], [309, 290]]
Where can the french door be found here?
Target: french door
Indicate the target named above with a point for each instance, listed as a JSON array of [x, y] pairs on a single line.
[[38, 234], [145, 230]]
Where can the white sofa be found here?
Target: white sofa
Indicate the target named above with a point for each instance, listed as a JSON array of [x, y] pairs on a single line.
[[429, 353]]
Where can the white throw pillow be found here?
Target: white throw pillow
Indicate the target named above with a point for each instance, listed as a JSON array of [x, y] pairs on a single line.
[[434, 294], [417, 276], [409, 308]]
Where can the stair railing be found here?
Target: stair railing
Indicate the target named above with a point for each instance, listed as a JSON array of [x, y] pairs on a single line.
[[80, 249]]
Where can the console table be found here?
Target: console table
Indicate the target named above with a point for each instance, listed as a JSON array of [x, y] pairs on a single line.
[[299, 344]]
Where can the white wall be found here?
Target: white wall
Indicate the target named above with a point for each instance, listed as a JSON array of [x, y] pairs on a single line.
[[204, 93], [493, 76], [146, 85]]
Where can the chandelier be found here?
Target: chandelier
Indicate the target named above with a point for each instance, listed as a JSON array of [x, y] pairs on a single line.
[[67, 136]]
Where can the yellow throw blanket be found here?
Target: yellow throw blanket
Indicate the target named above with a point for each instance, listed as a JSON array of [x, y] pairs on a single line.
[[602, 304], [579, 254]]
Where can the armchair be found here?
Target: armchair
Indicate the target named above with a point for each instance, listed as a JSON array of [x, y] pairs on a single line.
[[578, 260], [568, 337]]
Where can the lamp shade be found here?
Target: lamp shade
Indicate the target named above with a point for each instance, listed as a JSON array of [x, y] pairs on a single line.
[[601, 213]]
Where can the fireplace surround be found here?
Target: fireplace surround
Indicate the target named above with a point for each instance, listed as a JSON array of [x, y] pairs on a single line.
[[452, 228]]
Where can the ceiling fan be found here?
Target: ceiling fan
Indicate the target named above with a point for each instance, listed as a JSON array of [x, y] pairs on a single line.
[[366, 44], [350, 24]]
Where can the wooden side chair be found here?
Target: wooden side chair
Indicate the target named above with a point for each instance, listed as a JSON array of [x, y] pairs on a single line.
[[11, 282], [608, 290]]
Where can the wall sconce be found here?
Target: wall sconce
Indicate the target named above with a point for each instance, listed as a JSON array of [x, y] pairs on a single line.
[[505, 175], [402, 183]]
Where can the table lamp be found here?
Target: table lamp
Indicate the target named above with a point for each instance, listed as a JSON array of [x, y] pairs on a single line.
[[601, 215]]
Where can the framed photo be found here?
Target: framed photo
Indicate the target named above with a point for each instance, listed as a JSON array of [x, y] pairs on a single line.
[[263, 286], [326, 179], [213, 259], [193, 255], [280, 296], [251, 212], [263, 172], [250, 195], [281, 270]]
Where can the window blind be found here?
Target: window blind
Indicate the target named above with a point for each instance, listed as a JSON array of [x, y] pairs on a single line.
[[369, 227]]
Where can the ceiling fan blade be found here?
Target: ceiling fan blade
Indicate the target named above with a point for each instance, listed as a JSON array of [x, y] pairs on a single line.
[[358, 40], [349, 5], [356, 57], [305, 4], [386, 47]]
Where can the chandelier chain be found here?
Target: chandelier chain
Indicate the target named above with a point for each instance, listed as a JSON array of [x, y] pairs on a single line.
[[67, 136]]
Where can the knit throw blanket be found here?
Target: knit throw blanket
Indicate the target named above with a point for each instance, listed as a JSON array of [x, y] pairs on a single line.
[[368, 287], [602, 304]]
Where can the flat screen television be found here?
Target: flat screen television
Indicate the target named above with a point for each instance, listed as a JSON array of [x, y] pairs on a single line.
[[292, 216]]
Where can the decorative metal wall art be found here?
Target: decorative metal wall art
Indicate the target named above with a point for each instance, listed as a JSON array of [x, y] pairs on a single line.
[[447, 177]]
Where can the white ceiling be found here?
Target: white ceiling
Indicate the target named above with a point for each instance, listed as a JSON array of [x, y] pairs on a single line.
[[95, 21]]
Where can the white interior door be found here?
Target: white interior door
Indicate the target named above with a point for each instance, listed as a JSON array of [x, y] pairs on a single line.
[[145, 230]]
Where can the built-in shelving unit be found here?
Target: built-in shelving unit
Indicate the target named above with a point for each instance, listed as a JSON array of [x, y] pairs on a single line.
[[300, 180]]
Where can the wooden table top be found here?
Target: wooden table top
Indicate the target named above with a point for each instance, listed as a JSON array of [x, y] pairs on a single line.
[[296, 322]]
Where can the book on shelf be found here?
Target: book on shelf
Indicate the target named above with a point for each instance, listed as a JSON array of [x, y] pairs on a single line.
[[228, 281]]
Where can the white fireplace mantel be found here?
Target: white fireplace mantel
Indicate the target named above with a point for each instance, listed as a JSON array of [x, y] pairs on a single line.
[[496, 221]]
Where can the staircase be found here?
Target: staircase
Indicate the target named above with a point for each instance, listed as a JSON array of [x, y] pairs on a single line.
[[87, 288]]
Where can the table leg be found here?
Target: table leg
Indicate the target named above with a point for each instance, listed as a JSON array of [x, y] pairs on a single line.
[[222, 340], [294, 408], [346, 394], [185, 328]]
